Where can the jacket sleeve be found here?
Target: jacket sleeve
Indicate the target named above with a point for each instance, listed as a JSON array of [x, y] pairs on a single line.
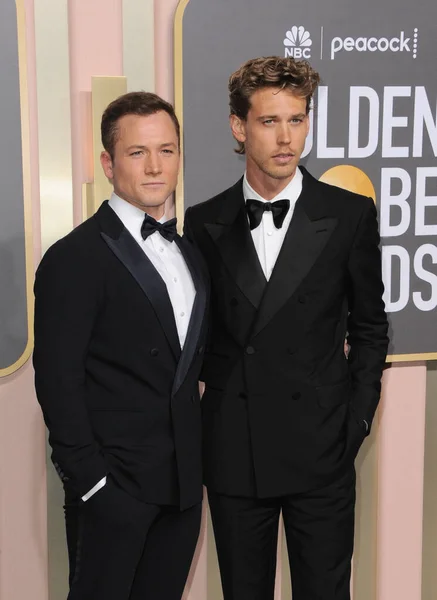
[[367, 322], [66, 305]]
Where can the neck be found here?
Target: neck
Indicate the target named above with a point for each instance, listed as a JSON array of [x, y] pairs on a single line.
[[264, 185], [157, 212]]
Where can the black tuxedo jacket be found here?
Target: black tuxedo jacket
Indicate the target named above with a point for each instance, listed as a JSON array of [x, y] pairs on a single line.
[[117, 393], [283, 409]]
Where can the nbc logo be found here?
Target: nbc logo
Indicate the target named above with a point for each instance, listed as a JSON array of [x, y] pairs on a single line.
[[298, 43]]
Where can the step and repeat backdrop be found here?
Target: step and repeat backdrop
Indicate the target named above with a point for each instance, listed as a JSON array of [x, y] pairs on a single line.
[[373, 126]]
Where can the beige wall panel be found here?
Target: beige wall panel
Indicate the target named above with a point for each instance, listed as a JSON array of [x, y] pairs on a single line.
[[429, 573], [54, 129], [138, 45], [364, 565], [285, 572], [104, 90], [56, 202], [213, 582]]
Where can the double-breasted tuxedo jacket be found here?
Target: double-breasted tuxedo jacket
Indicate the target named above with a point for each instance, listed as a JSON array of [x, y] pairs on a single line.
[[118, 394], [284, 409]]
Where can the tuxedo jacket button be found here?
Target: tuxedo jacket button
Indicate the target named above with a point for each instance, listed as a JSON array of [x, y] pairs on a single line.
[[200, 350], [291, 351], [154, 352], [296, 396], [250, 350], [302, 299], [234, 302], [193, 399]]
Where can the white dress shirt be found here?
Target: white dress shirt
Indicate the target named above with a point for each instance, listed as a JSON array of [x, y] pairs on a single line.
[[267, 239], [171, 266], [167, 260]]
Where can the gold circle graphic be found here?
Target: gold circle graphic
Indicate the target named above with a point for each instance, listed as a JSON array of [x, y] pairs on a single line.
[[350, 178]]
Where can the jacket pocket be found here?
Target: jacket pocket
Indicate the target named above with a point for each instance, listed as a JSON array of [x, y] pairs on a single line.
[[332, 395]]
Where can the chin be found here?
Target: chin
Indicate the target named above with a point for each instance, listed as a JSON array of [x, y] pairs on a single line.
[[154, 202], [282, 174]]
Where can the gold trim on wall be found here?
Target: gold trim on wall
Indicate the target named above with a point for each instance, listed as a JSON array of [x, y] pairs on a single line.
[[103, 91], [25, 140], [179, 101], [54, 120], [412, 357]]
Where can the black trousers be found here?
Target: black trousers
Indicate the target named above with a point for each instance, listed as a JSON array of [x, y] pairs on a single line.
[[319, 529], [123, 549]]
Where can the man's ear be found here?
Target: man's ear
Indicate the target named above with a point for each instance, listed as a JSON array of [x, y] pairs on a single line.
[[106, 162], [238, 128]]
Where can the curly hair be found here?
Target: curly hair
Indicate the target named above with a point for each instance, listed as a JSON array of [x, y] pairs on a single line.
[[270, 71]]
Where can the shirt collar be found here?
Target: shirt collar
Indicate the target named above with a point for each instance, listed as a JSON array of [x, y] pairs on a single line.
[[291, 192], [131, 216]]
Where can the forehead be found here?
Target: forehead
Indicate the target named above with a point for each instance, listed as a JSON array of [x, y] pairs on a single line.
[[271, 100], [142, 129]]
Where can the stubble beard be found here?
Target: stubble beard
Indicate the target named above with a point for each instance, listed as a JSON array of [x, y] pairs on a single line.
[[279, 173]]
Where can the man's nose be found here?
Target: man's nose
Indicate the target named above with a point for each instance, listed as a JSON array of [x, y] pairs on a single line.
[[284, 134], [153, 164]]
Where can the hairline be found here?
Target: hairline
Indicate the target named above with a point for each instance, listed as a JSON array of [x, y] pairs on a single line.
[[116, 129]]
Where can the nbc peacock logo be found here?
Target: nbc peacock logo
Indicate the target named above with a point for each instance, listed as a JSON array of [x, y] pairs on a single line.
[[298, 42]]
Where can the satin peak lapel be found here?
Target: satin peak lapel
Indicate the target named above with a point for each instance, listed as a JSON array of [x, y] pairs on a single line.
[[197, 313], [142, 270], [231, 235]]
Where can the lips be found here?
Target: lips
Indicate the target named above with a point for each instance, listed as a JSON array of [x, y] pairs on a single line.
[[283, 158]]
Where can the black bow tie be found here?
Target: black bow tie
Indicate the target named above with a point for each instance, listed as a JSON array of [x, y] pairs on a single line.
[[167, 229], [255, 210]]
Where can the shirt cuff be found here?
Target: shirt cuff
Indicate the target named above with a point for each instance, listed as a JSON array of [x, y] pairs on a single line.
[[95, 489]]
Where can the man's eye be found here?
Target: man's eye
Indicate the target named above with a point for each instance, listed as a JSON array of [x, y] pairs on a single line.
[[167, 151], [136, 153], [268, 121]]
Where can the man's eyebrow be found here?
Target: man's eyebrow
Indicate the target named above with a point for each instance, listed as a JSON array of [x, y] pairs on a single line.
[[142, 147], [300, 115]]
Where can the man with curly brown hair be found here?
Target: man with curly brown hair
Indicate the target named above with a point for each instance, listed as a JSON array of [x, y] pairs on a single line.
[[294, 264]]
